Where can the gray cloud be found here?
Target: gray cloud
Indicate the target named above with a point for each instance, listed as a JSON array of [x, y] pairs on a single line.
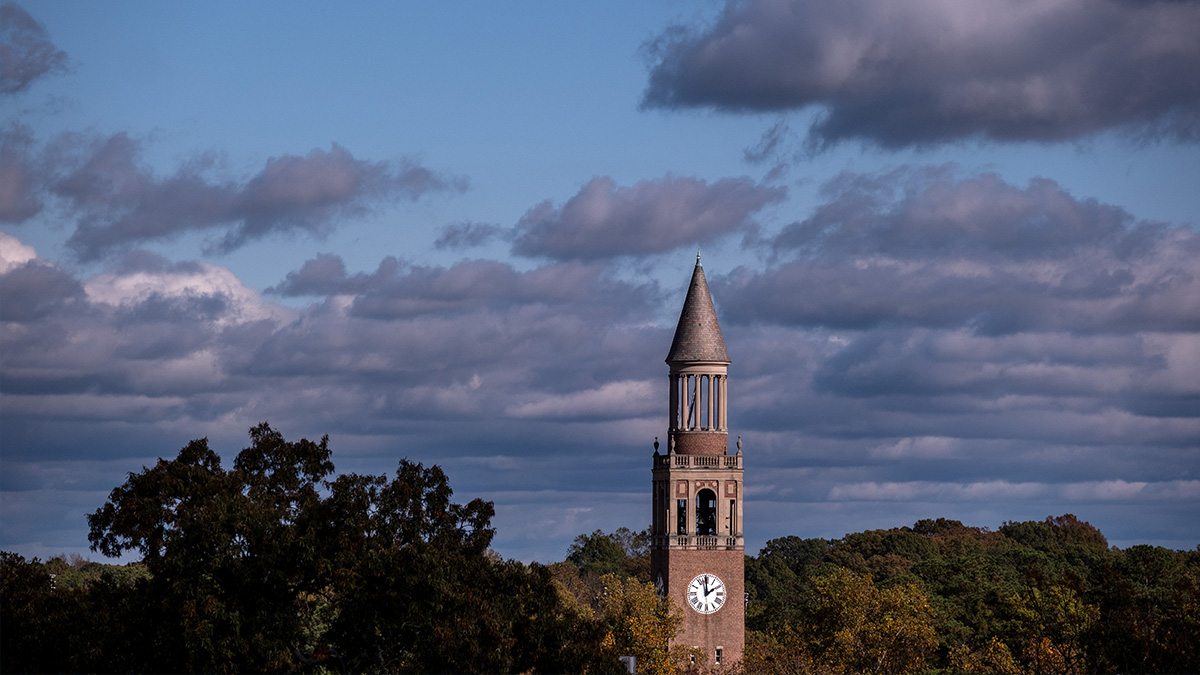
[[34, 289], [326, 275], [119, 203], [309, 192], [604, 220], [185, 344], [927, 247], [459, 236], [924, 72], [400, 290], [26, 52], [477, 284], [19, 175]]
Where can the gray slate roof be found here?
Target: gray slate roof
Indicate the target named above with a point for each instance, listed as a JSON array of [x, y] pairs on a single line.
[[698, 335]]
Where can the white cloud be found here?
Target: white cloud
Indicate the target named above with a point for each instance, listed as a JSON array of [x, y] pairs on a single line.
[[13, 252], [614, 399], [924, 447], [1083, 491], [198, 279]]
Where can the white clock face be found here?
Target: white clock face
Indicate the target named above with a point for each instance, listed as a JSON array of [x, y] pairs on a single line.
[[706, 593]]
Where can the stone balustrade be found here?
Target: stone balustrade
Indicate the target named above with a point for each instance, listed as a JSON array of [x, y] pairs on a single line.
[[698, 462], [699, 542]]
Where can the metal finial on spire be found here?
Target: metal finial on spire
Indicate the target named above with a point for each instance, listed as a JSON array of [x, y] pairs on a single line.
[[656, 445], [698, 257]]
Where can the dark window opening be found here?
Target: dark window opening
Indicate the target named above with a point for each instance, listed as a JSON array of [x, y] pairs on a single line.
[[720, 653], [706, 513], [681, 525]]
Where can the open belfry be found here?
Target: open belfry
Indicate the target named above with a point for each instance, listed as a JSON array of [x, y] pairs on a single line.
[[698, 547]]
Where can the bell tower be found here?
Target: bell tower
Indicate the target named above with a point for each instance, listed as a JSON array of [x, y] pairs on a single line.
[[697, 555]]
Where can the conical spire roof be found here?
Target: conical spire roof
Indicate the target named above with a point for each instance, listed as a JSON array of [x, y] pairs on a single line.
[[698, 335]]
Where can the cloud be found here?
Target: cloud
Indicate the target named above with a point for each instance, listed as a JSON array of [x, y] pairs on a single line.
[[186, 345], [1090, 491], [33, 290], [118, 203], [137, 342], [458, 236], [26, 52], [605, 220], [510, 377], [13, 252], [610, 400], [150, 284], [930, 248], [409, 291], [398, 289], [310, 192], [906, 376], [928, 71], [326, 275], [926, 336], [18, 175]]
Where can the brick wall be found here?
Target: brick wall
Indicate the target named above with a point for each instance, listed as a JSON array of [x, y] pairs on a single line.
[[725, 627]]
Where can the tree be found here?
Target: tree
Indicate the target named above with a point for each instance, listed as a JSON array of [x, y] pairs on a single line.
[[1150, 610], [636, 621], [1055, 623], [416, 589], [865, 629], [272, 566], [26, 621], [623, 552], [231, 553]]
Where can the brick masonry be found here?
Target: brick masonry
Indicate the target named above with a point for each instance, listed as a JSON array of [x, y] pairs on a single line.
[[700, 442], [723, 628]]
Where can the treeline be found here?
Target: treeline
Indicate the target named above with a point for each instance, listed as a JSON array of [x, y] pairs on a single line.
[[276, 564], [1032, 597]]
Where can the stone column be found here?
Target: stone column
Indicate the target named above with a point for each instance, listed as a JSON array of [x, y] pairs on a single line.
[[712, 383]]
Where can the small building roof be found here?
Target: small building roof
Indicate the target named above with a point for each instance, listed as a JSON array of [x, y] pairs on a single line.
[[698, 334]]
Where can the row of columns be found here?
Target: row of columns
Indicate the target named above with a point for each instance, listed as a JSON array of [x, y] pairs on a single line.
[[667, 513], [694, 407]]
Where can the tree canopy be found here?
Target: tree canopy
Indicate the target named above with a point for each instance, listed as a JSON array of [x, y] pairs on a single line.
[[1032, 597], [276, 565]]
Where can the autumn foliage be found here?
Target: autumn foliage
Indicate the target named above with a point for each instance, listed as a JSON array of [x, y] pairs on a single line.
[[1032, 597]]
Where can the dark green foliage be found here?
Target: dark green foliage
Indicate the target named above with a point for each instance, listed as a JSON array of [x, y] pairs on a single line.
[[274, 566], [622, 552], [1036, 597], [66, 617]]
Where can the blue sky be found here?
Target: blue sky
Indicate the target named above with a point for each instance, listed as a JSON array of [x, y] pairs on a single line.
[[953, 247]]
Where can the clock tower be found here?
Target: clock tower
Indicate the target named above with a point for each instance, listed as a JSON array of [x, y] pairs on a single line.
[[697, 554]]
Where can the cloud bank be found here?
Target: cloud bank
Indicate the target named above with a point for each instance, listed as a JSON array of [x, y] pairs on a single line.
[[931, 71], [929, 248], [118, 203], [937, 342], [654, 216]]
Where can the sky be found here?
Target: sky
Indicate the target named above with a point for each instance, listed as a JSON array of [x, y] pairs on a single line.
[[953, 246]]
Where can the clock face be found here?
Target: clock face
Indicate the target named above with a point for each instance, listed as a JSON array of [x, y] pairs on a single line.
[[706, 593]]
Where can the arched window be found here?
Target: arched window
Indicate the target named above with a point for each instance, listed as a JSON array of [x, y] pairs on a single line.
[[706, 512]]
